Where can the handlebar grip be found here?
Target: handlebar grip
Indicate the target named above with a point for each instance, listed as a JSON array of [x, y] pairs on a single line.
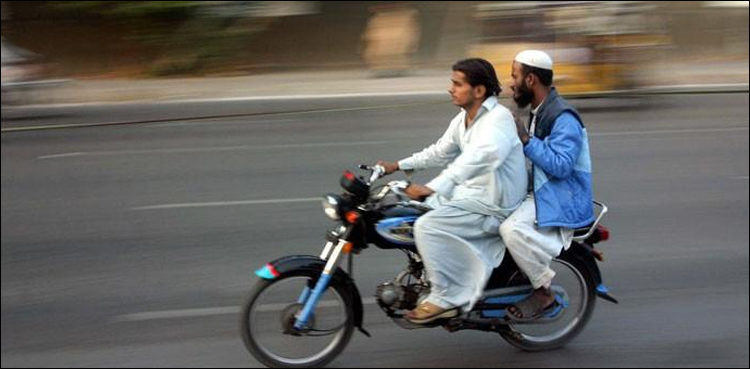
[[377, 172]]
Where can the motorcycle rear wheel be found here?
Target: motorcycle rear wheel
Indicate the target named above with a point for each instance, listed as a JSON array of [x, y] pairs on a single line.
[[579, 285]]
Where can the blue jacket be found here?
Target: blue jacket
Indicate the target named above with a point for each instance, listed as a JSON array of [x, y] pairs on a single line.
[[559, 152]]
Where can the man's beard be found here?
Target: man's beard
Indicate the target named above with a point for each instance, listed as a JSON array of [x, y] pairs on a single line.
[[523, 96]]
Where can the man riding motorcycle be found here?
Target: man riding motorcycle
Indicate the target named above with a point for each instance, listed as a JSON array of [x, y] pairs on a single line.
[[485, 180]]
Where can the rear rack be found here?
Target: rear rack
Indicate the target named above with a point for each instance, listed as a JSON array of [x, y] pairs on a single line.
[[592, 228]]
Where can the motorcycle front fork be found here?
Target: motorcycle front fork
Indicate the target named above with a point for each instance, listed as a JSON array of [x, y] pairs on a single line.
[[309, 297]]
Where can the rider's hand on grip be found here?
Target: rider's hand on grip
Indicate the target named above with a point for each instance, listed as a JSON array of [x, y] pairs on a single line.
[[389, 166], [418, 192]]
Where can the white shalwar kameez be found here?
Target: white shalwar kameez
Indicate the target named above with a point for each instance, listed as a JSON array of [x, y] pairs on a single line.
[[484, 182]]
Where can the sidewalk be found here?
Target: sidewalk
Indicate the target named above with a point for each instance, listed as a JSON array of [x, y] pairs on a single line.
[[686, 77], [266, 86]]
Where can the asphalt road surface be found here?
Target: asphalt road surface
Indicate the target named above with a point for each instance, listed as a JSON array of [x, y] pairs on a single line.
[[133, 245]]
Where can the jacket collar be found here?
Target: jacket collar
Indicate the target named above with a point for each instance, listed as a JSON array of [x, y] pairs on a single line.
[[552, 96]]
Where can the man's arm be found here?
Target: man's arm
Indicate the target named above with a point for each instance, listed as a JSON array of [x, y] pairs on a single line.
[[436, 155], [557, 154], [487, 151]]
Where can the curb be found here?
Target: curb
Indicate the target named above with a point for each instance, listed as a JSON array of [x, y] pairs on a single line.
[[654, 90]]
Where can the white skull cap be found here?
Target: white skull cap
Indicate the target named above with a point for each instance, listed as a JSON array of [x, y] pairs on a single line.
[[535, 58]]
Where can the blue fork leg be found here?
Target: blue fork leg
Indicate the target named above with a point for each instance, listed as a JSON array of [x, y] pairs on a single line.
[[306, 292], [312, 301], [320, 287], [304, 295]]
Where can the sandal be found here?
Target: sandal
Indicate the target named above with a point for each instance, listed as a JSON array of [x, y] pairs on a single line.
[[530, 309], [427, 312]]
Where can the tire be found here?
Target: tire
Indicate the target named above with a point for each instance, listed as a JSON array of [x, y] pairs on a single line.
[[525, 342], [276, 361]]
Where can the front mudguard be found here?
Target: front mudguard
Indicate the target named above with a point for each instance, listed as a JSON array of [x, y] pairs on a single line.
[[289, 264]]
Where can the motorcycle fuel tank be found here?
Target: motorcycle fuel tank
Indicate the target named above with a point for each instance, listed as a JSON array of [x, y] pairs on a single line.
[[399, 230]]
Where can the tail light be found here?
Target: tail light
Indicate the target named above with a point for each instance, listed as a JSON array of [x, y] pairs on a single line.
[[603, 232]]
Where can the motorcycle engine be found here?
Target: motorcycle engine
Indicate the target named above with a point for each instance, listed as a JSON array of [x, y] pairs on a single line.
[[397, 297]]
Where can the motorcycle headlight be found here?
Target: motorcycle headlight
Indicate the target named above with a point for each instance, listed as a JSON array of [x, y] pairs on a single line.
[[331, 206]]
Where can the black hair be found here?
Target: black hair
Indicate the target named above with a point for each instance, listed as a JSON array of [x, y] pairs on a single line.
[[544, 75], [479, 72]]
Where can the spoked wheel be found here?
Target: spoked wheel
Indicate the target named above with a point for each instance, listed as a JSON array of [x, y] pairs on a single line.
[[270, 311], [574, 289]]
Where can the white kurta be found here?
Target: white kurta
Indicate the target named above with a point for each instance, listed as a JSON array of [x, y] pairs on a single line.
[[485, 163], [485, 180]]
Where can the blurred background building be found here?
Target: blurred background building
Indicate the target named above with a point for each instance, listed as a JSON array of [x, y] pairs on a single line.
[[597, 46]]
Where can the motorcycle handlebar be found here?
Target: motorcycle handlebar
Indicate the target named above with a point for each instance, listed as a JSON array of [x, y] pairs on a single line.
[[378, 171]]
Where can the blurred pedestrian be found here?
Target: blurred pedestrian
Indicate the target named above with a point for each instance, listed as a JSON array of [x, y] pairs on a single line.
[[390, 39]]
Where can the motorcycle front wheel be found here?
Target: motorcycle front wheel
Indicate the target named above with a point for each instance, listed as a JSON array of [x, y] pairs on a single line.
[[269, 312]]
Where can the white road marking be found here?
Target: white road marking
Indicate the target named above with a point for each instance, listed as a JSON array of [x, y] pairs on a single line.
[[225, 203], [203, 123], [55, 156], [221, 310], [669, 131], [179, 150], [201, 120], [172, 314]]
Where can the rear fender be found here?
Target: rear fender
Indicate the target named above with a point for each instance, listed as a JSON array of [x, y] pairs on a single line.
[[581, 253]]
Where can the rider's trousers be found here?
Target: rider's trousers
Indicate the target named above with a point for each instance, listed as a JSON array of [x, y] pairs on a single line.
[[532, 247], [459, 250]]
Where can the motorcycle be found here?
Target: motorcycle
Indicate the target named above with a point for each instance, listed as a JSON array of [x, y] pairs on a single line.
[[303, 309]]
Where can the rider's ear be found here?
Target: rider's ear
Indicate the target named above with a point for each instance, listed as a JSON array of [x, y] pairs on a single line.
[[479, 91], [530, 80]]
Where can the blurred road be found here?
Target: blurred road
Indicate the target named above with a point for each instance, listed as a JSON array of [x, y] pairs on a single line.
[[133, 245]]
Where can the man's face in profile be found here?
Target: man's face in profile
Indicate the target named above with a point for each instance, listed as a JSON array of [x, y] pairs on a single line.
[[462, 93], [522, 94]]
